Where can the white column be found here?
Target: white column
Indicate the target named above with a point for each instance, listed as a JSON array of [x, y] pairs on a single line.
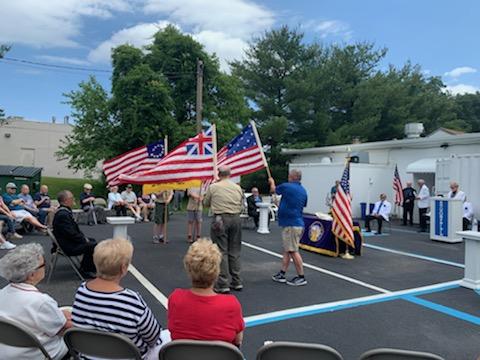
[[120, 224], [471, 278], [264, 209]]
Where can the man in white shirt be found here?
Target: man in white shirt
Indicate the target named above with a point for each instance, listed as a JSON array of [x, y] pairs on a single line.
[[454, 193], [381, 212], [467, 214], [423, 202]]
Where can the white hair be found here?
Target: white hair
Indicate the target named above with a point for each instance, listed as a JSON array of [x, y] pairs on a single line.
[[20, 262]]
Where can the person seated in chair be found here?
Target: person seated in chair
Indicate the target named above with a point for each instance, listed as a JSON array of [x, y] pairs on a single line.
[[28, 202], [71, 240], [467, 215], [147, 205], [44, 205], [104, 304], [116, 202], [17, 207], [381, 211], [9, 221], [130, 199], [24, 268], [252, 208], [87, 203], [199, 313]]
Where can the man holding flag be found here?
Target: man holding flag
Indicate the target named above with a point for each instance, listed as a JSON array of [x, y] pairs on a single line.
[[290, 218]]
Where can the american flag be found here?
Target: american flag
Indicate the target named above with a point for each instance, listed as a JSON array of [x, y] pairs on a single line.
[[342, 226], [191, 160], [244, 154], [134, 161], [397, 186]]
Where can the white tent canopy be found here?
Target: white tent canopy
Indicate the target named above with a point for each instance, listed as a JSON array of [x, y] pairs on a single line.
[[427, 165]]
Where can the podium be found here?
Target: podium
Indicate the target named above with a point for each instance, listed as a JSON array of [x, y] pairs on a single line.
[[445, 219], [264, 209]]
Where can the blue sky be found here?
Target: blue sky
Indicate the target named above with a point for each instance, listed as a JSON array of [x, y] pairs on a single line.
[[441, 36]]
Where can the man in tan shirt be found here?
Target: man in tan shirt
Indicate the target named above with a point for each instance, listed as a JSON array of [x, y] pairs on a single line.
[[225, 199]]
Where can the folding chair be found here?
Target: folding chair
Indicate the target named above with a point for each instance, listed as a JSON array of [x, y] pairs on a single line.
[[100, 344], [397, 354], [285, 350], [15, 334], [73, 260], [199, 350]]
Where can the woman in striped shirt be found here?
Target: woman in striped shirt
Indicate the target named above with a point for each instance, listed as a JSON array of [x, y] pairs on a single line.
[[103, 304]]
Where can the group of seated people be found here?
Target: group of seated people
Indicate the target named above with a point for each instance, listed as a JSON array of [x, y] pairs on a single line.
[[20, 208], [140, 206], [197, 313]]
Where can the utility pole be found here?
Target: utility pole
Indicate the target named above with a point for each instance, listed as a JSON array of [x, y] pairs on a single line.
[[199, 107]]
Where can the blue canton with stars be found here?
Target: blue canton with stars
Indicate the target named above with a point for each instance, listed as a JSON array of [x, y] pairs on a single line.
[[345, 182], [245, 140], [156, 150]]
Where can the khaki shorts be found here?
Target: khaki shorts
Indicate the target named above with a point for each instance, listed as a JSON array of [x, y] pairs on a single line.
[[291, 238]]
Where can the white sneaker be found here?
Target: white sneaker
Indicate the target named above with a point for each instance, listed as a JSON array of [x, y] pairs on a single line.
[[16, 236], [7, 245]]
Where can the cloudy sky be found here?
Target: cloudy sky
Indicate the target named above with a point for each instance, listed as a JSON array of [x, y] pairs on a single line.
[[441, 36]]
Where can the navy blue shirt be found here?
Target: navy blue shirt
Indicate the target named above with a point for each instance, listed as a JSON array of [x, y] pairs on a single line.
[[294, 199], [44, 205]]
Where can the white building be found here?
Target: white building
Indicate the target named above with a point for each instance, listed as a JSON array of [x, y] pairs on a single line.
[[438, 158], [34, 143]]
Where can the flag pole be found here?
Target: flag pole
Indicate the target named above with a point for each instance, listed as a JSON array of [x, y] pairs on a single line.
[[257, 138], [347, 255], [165, 213], [214, 144]]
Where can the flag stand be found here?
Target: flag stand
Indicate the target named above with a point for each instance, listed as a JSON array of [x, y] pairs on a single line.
[[347, 255]]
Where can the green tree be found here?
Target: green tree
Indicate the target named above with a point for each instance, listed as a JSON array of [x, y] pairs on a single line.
[[89, 141], [467, 108], [153, 95]]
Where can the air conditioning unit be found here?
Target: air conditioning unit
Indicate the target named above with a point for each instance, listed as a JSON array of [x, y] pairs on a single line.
[[413, 130], [360, 157]]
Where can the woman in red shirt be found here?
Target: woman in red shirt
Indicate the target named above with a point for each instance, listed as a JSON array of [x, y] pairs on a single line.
[[199, 313]]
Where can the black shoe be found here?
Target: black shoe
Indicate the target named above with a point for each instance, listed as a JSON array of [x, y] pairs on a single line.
[[368, 230], [237, 287], [297, 281], [88, 274], [279, 277]]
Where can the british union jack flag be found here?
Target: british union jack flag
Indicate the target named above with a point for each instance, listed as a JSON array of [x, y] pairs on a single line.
[[201, 144]]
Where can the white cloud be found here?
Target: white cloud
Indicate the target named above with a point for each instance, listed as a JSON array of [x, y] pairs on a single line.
[[63, 59], [52, 23], [138, 36], [459, 71], [237, 18], [337, 28], [461, 89], [227, 48]]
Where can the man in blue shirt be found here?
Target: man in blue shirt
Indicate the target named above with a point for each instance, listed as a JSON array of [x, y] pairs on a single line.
[[290, 218]]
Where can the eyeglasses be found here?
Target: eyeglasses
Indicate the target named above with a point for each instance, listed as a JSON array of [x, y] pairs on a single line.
[[41, 266]]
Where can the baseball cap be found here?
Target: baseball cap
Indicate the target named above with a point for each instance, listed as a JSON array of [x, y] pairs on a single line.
[[88, 186], [11, 185]]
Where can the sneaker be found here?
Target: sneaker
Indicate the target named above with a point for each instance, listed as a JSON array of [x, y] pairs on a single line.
[[222, 291], [16, 236], [279, 277], [237, 287], [157, 239], [297, 281], [7, 245]]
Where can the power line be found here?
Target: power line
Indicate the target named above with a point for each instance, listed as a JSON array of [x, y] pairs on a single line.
[[76, 68]]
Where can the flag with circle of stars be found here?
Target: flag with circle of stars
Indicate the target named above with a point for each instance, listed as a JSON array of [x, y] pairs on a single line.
[[156, 150]]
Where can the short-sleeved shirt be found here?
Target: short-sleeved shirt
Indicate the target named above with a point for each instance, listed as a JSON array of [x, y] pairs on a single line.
[[39, 313], [113, 198], [8, 198], [122, 312], [129, 197], [196, 317], [224, 197], [163, 196], [84, 196], [193, 204], [294, 199], [44, 205], [28, 200]]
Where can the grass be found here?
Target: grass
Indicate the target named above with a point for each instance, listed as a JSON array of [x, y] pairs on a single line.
[[55, 185]]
